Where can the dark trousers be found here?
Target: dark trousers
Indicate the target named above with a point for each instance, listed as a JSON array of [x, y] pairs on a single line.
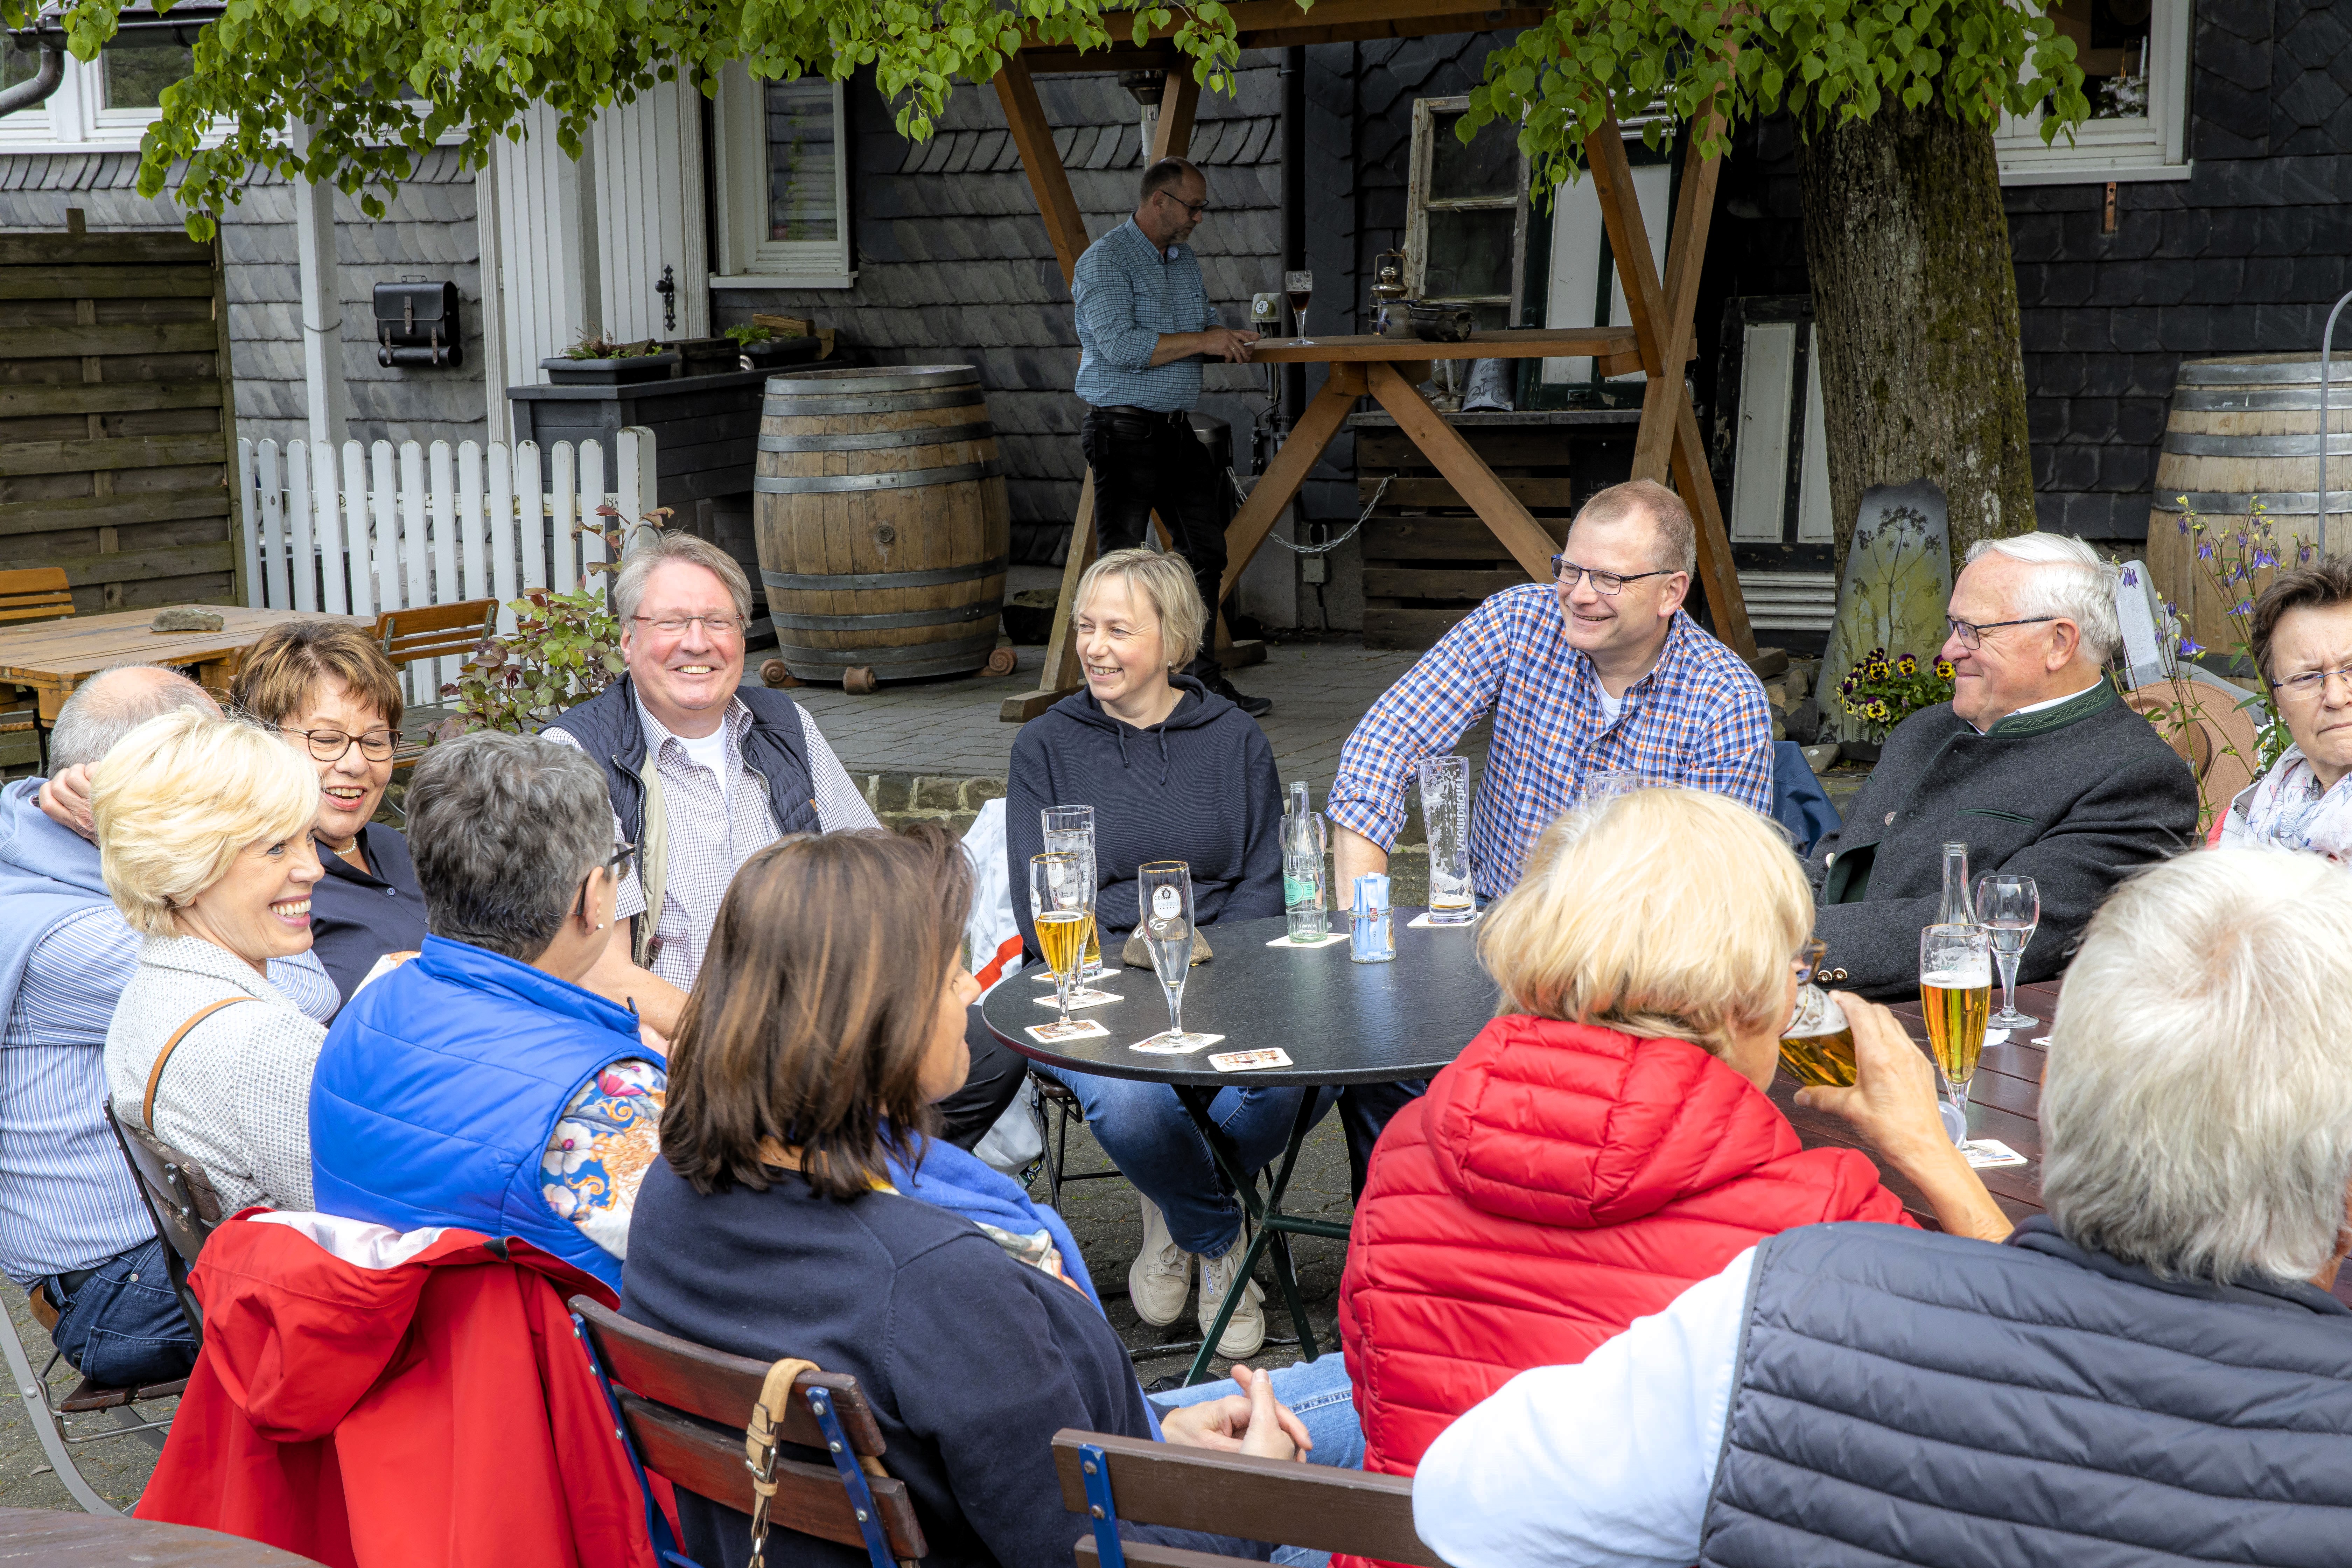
[[996, 1078], [1144, 464], [1364, 1111], [122, 1325]]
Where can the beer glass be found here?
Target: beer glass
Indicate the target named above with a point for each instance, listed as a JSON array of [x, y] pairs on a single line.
[[1601, 788], [1817, 1046], [1062, 906], [1300, 287], [1163, 896], [1956, 995], [2008, 906], [1446, 812], [1070, 830]]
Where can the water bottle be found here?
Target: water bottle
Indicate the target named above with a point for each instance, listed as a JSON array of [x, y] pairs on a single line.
[[1302, 869], [1956, 907]]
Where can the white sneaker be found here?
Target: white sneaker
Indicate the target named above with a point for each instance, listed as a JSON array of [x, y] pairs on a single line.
[[1245, 1331], [1161, 1275]]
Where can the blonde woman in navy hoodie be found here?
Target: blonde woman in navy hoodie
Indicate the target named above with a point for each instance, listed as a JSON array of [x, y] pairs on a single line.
[[1174, 772]]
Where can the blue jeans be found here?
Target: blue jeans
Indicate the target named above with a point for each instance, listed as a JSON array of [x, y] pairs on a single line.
[[1320, 1395], [1151, 1137], [124, 1325]]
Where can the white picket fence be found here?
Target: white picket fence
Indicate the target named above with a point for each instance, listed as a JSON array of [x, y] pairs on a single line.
[[388, 528]]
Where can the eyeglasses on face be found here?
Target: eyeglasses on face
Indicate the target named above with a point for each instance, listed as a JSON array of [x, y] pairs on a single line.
[[333, 745], [2312, 685], [1568, 573], [1194, 209], [675, 625], [1971, 633]]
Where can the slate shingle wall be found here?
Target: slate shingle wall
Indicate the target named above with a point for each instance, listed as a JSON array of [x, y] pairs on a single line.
[[954, 265], [429, 232]]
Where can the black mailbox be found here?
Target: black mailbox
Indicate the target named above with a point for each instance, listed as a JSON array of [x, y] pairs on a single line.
[[417, 323]]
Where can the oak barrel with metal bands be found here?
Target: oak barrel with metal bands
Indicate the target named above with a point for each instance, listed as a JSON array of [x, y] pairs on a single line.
[[882, 522], [2243, 444]]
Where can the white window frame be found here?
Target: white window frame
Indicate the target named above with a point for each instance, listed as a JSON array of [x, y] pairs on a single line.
[[74, 118], [2154, 148], [1418, 204], [745, 257]]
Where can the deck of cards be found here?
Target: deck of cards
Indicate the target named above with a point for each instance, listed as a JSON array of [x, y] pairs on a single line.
[[1058, 1032], [1249, 1061], [1167, 1042], [1082, 997]]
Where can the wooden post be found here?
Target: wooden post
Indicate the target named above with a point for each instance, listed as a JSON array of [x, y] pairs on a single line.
[[1503, 513], [1061, 672], [1669, 440], [1289, 470], [1172, 132]]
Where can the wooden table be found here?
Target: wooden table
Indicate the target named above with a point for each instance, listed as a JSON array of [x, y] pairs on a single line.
[[35, 1536], [53, 656]]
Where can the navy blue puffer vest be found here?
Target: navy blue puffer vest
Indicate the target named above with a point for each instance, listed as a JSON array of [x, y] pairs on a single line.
[[606, 728], [1909, 1397]]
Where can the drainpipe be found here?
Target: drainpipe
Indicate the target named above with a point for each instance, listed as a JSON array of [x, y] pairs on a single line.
[[2327, 353], [1293, 206], [26, 94]]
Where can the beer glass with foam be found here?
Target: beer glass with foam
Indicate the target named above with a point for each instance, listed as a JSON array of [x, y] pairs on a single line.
[[1062, 906], [1956, 995], [1817, 1047]]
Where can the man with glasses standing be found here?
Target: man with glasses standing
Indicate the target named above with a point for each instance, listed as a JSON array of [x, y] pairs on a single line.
[[1597, 672], [2036, 763], [1145, 325]]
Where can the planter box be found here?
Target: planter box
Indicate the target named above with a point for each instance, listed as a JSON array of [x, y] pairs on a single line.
[[566, 372]]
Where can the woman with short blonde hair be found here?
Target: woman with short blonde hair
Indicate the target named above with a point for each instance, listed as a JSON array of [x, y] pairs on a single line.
[[1607, 1141], [1174, 772], [203, 837]]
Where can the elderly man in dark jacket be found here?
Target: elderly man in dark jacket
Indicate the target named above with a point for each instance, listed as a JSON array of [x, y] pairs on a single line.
[[2035, 765]]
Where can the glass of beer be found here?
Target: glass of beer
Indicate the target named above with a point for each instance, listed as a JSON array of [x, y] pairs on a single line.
[[1062, 905], [1070, 830], [1817, 1047], [1955, 994]]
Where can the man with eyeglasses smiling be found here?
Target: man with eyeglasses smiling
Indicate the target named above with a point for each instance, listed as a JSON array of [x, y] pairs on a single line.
[[2035, 765], [1145, 326]]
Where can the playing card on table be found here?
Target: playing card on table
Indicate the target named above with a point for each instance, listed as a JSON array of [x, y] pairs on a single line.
[[1985, 1154], [1167, 1042], [1054, 1033], [1324, 941], [1245, 1061], [1084, 996]]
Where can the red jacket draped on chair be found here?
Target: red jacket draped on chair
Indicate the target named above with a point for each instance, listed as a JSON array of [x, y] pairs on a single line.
[[1557, 1182], [373, 1400]]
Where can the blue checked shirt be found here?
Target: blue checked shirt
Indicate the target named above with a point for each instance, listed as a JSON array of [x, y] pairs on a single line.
[[1699, 719], [1128, 293]]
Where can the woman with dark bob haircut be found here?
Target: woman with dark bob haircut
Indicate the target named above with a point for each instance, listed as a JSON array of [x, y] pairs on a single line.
[[802, 1208]]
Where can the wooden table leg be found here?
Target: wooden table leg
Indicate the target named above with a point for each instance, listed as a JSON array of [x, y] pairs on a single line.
[[1496, 507], [1060, 676], [1280, 482]]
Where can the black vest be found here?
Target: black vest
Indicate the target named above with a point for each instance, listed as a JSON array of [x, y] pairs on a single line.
[[606, 728], [1903, 1396]]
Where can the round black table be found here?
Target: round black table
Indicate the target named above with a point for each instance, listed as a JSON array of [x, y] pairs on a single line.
[[1339, 1021]]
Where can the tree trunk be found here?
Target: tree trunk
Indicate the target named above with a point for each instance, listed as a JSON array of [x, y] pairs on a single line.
[[1916, 298]]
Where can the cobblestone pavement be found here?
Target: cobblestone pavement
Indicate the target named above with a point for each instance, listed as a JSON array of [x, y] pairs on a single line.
[[116, 1470]]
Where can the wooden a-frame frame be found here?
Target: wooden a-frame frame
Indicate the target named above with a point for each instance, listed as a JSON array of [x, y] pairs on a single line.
[[1668, 447]]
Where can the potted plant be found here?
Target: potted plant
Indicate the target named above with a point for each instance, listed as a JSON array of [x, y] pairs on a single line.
[[601, 361], [1884, 690]]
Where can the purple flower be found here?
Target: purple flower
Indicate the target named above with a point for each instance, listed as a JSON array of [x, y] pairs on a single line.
[[2242, 607], [2131, 578], [2184, 525], [2190, 650], [2265, 558], [2205, 552]]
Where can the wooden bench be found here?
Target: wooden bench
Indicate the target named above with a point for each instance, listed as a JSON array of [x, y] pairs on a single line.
[[684, 1406], [1110, 1479], [28, 593]]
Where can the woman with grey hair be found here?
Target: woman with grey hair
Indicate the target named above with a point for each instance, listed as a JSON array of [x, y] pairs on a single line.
[[2154, 1370], [481, 1085]]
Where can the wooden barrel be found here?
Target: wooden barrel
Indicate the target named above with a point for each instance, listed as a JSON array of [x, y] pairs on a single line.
[[2245, 430], [881, 522]]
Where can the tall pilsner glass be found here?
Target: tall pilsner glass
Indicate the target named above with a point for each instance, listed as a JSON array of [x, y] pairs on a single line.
[[1163, 893], [1070, 830], [1955, 994], [1446, 812], [1062, 906]]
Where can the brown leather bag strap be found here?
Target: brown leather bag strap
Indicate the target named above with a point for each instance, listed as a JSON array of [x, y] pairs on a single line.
[[155, 1073]]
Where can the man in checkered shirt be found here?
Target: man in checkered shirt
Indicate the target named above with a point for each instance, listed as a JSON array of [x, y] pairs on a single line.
[[1145, 324], [1597, 672]]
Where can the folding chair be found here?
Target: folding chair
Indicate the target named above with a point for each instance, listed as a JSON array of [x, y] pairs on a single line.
[[1319, 1507], [1065, 1107], [30, 594], [427, 632], [184, 1208], [686, 1410]]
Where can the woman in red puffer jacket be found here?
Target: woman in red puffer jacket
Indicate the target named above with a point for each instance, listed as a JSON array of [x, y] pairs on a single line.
[[1606, 1140]]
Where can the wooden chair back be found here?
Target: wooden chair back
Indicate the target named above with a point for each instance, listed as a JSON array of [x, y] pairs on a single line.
[[1291, 1504], [179, 1197], [436, 631], [35, 593], [2218, 741], [685, 1408]]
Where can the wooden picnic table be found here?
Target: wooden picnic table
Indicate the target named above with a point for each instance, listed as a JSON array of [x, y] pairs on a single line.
[[52, 657]]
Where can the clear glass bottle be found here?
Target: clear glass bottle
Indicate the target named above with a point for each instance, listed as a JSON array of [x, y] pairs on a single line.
[[1956, 910], [1302, 868]]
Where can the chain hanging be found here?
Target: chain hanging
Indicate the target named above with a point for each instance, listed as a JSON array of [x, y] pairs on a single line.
[[1324, 549]]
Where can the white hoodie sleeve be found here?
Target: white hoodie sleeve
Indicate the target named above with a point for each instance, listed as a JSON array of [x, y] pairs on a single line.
[[1606, 1464]]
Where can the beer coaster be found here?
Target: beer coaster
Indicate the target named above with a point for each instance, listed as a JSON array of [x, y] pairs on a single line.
[[1424, 922], [1046, 976], [1326, 940], [1996, 1036], [1985, 1154], [1054, 1033], [1168, 1043], [1081, 997], [1245, 1061], [2040, 1039]]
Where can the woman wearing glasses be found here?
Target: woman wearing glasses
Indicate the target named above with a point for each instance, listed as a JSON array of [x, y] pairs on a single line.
[[481, 1084], [2302, 637]]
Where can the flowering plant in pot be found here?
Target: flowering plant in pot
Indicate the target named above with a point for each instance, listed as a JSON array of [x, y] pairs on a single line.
[[601, 361], [1883, 690]]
